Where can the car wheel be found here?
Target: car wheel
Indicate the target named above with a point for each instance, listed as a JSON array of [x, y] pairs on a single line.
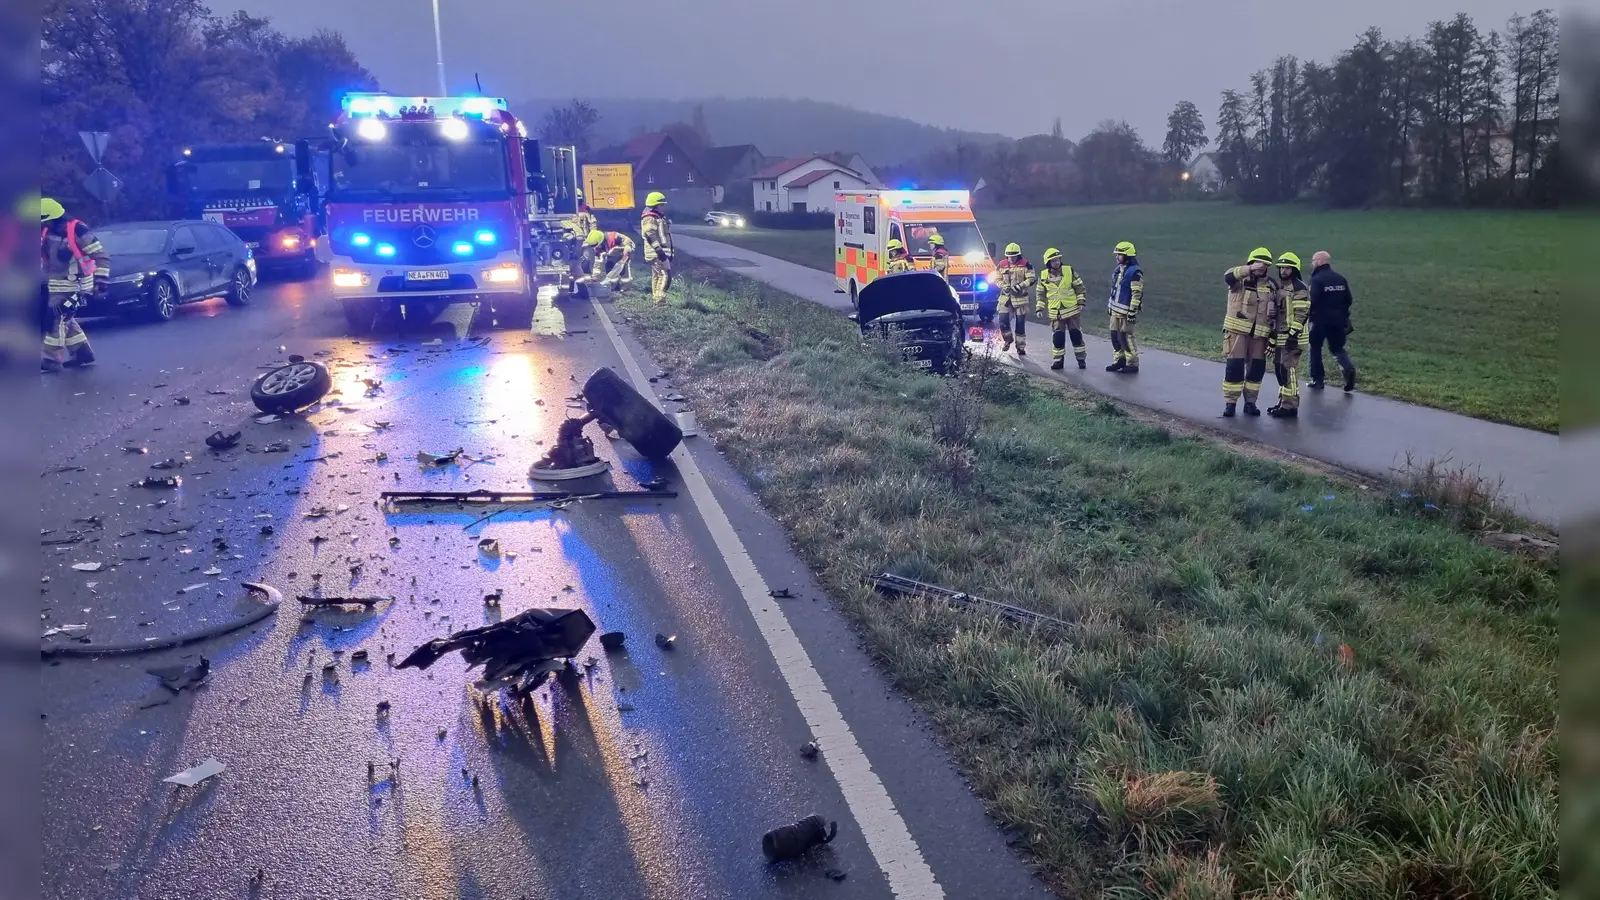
[[163, 302], [361, 315], [291, 387], [853, 303], [616, 404], [239, 292]]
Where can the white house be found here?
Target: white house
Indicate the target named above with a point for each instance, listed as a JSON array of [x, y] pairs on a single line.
[[1205, 174], [808, 183]]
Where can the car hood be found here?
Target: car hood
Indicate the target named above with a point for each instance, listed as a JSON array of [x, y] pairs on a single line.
[[922, 291]]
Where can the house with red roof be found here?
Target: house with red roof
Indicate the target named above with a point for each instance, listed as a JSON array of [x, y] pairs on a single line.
[[809, 183], [659, 164]]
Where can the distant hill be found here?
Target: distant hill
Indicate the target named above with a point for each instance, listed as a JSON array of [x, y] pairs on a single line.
[[779, 127]]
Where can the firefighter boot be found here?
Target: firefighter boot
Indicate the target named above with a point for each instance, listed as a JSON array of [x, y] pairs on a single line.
[[1083, 363], [1057, 365], [1280, 412], [1250, 409], [1228, 410], [1117, 366], [81, 357], [1130, 369]]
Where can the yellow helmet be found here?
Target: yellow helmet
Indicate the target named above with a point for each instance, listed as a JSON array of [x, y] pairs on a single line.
[[1051, 254], [1289, 259], [655, 198], [1261, 255], [595, 238], [1124, 248], [895, 244], [936, 239], [50, 210], [1013, 249]]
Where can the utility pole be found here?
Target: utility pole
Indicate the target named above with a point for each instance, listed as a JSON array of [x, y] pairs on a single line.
[[438, 49]]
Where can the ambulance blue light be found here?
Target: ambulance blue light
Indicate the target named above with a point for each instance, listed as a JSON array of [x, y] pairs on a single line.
[[484, 237], [983, 285], [362, 106], [385, 249], [477, 106], [361, 240], [462, 248]]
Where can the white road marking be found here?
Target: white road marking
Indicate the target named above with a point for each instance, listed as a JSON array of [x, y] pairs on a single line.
[[892, 846]]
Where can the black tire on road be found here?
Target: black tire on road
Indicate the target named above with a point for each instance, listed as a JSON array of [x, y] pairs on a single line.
[[163, 300], [854, 303], [240, 288], [361, 315], [288, 388], [630, 415]]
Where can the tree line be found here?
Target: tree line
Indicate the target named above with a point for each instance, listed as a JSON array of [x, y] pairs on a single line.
[[161, 74], [1459, 117]]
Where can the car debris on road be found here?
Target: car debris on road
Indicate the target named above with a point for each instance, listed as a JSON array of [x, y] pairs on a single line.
[[194, 775], [519, 652], [790, 841]]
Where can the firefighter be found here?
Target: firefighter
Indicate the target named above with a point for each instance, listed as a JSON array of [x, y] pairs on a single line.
[[656, 231], [613, 256], [582, 222], [1061, 299], [1245, 329], [1330, 319], [75, 264], [941, 256], [1127, 295], [1290, 311], [1015, 278], [899, 260]]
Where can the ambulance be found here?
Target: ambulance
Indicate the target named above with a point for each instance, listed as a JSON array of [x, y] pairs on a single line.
[[866, 221]]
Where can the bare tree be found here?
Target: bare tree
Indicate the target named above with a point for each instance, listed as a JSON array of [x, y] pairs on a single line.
[[572, 124]]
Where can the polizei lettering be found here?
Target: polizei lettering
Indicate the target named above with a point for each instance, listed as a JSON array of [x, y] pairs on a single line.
[[420, 214]]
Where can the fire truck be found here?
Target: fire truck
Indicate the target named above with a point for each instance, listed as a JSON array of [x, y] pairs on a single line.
[[267, 192], [440, 200]]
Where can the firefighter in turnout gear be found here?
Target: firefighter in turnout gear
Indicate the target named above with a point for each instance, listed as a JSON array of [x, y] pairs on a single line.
[[613, 256], [1061, 299], [657, 234], [1290, 312], [1127, 295], [582, 222], [899, 260], [941, 256], [75, 266], [1015, 278], [1245, 329]]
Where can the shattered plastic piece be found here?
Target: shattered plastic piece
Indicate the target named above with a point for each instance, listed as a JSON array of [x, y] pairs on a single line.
[[65, 629], [152, 481], [383, 706], [212, 571], [613, 640], [522, 649], [624, 707], [439, 459], [193, 776], [665, 642], [276, 447], [489, 547], [790, 841], [168, 464], [266, 531], [267, 419], [781, 594], [897, 585], [810, 749], [194, 587], [181, 401], [138, 450], [175, 679], [840, 874], [344, 601], [87, 566], [493, 600], [394, 541]]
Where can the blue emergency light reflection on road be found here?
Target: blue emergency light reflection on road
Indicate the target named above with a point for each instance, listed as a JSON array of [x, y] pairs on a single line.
[[484, 237], [462, 248], [385, 249], [361, 240]]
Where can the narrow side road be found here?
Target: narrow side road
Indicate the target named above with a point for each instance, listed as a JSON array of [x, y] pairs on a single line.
[[650, 773], [1357, 431]]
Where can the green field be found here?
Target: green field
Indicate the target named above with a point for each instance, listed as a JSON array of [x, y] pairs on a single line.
[[1456, 310], [1271, 683]]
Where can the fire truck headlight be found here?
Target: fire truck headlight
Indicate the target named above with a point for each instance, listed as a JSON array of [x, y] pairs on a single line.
[[361, 240], [372, 130], [385, 249], [462, 248], [454, 129], [503, 274], [349, 278], [484, 237]]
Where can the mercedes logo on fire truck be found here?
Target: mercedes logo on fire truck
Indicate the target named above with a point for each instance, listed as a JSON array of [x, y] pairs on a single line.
[[424, 236]]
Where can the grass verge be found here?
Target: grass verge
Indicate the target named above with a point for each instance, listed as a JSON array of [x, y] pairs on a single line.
[[1269, 687], [1454, 309]]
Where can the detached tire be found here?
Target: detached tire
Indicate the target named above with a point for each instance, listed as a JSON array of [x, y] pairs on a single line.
[[292, 387], [617, 405]]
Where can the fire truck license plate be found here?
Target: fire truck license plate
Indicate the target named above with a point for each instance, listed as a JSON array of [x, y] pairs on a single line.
[[428, 275]]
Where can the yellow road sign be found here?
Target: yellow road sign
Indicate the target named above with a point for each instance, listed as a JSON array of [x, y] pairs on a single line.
[[608, 186]]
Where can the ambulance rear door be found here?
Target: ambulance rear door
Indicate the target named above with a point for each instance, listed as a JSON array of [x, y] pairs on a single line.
[[859, 236]]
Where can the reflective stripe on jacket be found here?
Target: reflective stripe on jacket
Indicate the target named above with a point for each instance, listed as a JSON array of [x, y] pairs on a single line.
[[657, 235], [1127, 289], [1060, 293], [1250, 302]]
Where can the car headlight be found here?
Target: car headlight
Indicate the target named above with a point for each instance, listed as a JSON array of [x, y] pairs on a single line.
[[505, 274], [349, 278], [135, 279], [739, 222]]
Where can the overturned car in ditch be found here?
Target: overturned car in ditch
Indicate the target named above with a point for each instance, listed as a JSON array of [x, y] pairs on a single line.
[[920, 312]]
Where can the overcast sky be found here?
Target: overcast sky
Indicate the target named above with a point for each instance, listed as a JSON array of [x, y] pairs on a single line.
[[1003, 66]]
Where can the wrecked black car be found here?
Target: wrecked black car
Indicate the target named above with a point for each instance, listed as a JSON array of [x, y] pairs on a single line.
[[921, 312]]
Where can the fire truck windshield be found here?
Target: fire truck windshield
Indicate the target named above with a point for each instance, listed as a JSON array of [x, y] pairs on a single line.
[[237, 176], [425, 168]]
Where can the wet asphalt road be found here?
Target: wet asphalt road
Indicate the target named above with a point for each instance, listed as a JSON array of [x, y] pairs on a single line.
[[652, 775]]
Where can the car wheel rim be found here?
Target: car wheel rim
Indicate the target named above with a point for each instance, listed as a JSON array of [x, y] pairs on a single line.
[[164, 300], [241, 286], [288, 379]]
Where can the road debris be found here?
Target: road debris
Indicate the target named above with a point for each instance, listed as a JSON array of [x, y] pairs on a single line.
[[383, 707], [65, 629], [57, 470], [439, 459], [368, 602], [138, 450], [790, 841], [897, 585], [276, 447], [181, 401], [520, 652], [493, 600], [153, 481], [175, 679], [612, 641], [810, 749], [484, 495], [572, 455], [489, 547], [87, 566], [171, 530], [193, 776], [836, 874], [666, 642], [267, 419], [781, 594], [273, 598]]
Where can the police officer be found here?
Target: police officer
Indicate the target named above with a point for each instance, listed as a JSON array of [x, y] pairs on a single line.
[[1061, 299], [1015, 277], [1127, 296], [941, 256], [899, 260], [613, 256], [1330, 319], [1245, 328], [74, 265], [657, 234], [1291, 308]]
